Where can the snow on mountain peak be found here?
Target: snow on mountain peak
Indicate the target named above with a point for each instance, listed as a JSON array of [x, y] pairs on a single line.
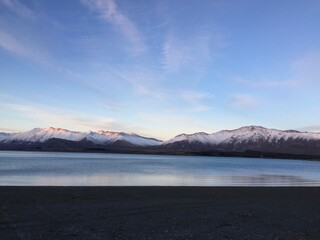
[[247, 134], [99, 137], [250, 128], [44, 134], [4, 136], [109, 133], [244, 134], [195, 137], [103, 136]]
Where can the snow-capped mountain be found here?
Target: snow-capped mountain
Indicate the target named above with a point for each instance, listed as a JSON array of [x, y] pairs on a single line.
[[4, 136], [108, 137], [41, 135], [44, 134], [244, 134], [253, 138]]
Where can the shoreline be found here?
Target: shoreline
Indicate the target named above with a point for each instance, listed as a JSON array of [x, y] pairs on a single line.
[[248, 154], [160, 212]]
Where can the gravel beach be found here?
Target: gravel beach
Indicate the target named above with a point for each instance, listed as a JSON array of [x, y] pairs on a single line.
[[159, 213]]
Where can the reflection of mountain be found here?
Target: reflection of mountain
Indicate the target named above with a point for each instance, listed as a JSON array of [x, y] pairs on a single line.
[[249, 141]]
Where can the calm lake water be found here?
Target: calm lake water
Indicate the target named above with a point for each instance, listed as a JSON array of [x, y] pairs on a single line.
[[99, 169]]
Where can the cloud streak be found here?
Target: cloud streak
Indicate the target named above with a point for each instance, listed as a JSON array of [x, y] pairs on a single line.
[[265, 83], [198, 101], [304, 72], [22, 47], [51, 117], [21, 37], [306, 69], [313, 128], [178, 54], [19, 9], [243, 102], [146, 83], [109, 12], [142, 80]]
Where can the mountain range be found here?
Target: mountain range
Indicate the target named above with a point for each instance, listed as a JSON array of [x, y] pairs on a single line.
[[249, 141]]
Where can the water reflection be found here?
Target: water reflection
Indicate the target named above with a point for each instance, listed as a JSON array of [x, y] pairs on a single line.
[[81, 169], [156, 180]]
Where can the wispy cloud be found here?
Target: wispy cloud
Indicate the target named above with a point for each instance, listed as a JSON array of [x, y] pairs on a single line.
[[303, 72], [62, 118], [198, 101], [31, 48], [19, 9], [243, 102], [109, 12], [23, 47], [142, 80], [148, 83], [178, 54], [21, 37], [7, 130], [306, 69], [175, 56], [264, 83], [312, 128], [26, 41], [111, 104]]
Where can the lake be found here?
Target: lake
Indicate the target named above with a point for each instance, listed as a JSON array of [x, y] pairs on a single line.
[[104, 169]]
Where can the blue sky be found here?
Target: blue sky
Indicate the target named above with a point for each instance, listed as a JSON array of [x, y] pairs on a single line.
[[159, 68]]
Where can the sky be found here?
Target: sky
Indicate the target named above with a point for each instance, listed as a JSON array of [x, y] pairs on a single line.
[[159, 68]]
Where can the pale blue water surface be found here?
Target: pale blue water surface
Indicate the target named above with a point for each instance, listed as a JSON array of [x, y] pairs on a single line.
[[104, 169]]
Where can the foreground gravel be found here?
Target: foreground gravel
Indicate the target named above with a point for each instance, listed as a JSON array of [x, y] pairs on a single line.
[[159, 213]]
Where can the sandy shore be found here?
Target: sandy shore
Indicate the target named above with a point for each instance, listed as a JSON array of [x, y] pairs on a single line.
[[159, 213]]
